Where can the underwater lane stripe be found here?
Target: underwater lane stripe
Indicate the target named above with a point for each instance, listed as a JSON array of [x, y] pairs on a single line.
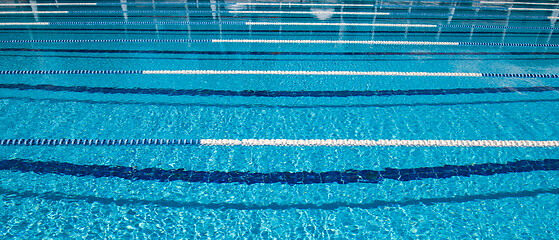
[[291, 178], [277, 72], [258, 53], [141, 23], [264, 93], [283, 142], [278, 41]]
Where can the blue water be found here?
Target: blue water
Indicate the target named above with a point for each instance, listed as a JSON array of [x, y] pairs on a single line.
[[61, 202]]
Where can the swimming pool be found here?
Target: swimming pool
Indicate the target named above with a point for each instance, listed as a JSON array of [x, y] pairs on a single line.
[[307, 120]]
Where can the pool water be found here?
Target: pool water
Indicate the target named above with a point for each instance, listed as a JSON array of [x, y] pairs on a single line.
[[279, 120]]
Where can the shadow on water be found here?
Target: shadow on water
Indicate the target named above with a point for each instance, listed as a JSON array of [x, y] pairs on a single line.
[[256, 105], [53, 196]]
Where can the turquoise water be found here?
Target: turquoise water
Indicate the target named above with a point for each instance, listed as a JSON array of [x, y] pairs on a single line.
[[72, 195]]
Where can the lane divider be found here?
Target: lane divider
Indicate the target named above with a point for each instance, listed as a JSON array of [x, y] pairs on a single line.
[[534, 9], [46, 4], [33, 12], [279, 41], [23, 23], [520, 3], [283, 142], [340, 24], [116, 23], [385, 6], [292, 178], [469, 16], [308, 12], [277, 72]]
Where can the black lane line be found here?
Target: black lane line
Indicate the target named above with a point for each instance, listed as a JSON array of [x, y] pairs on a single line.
[[292, 178], [275, 53], [281, 59], [254, 93]]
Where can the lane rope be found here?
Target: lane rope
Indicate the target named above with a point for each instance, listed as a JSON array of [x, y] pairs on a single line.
[[278, 72], [308, 12], [279, 41], [283, 142], [46, 4], [33, 12]]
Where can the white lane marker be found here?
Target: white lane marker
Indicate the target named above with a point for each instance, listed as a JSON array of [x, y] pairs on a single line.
[[533, 9], [307, 4], [22, 23], [309, 12], [339, 24], [334, 42], [31, 12], [373, 143], [276, 41], [332, 73], [523, 3], [45, 4]]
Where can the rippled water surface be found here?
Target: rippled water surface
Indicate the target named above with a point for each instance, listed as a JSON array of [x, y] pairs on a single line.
[[178, 119]]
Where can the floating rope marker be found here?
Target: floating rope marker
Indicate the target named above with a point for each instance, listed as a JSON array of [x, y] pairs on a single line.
[[279, 41], [277, 72], [522, 3], [282, 142], [341, 24], [46, 4], [22, 23], [309, 12], [31, 12]]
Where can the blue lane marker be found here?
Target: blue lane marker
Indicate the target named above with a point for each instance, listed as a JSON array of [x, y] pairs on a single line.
[[254, 93], [340, 177], [13, 72], [96, 142]]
